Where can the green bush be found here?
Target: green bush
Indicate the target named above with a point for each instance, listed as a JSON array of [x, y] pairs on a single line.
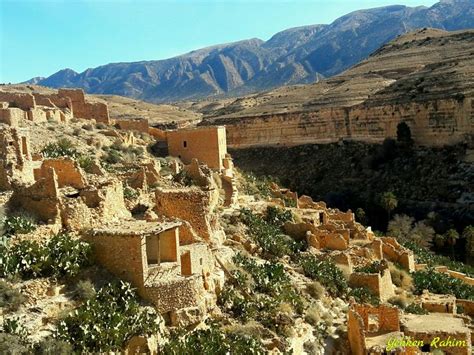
[[14, 225], [424, 256], [372, 268], [62, 148], [364, 295], [269, 236], [60, 256], [106, 322], [53, 346], [212, 341], [15, 327], [10, 298], [325, 272], [440, 283], [415, 309], [130, 193], [278, 216], [86, 162]]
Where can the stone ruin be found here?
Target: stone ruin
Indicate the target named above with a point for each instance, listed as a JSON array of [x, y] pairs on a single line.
[[371, 328], [60, 107]]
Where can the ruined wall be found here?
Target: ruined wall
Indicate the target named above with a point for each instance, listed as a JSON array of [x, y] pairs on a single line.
[[23, 101], [175, 294], [12, 116], [133, 125], [207, 144], [16, 166], [355, 333], [123, 256], [41, 199], [67, 170], [82, 109], [191, 205], [379, 284], [388, 316], [436, 122]]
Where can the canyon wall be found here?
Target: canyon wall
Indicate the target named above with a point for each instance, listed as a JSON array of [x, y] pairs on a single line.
[[432, 123]]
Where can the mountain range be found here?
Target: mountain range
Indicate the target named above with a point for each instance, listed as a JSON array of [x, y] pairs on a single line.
[[295, 56]]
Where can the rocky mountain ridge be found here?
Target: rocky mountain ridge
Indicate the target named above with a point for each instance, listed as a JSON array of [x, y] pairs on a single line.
[[294, 56]]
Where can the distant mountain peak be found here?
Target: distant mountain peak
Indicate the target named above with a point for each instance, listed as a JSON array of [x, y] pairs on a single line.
[[297, 55]]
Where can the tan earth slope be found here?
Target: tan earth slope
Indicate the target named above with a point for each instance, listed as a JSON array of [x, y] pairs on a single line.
[[424, 78]]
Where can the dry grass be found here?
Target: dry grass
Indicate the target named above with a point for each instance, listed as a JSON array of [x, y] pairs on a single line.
[[312, 316], [315, 290], [401, 278]]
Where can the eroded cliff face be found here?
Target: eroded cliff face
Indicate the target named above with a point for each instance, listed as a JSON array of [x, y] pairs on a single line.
[[432, 123]]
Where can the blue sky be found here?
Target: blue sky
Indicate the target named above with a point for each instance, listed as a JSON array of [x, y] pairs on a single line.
[[40, 37]]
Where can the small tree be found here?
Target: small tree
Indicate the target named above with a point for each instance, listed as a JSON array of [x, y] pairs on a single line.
[[404, 133], [389, 202], [468, 234], [451, 237]]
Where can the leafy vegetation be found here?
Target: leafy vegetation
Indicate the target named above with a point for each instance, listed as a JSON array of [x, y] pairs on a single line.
[[364, 295], [130, 193], [106, 322], [20, 224], [424, 256], [325, 272], [372, 268], [62, 148], [60, 256], [440, 283], [212, 341], [415, 309], [269, 236]]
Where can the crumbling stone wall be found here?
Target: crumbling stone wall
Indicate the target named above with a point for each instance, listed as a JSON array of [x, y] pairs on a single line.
[[67, 170], [140, 125], [380, 284], [124, 256], [207, 144], [12, 116], [82, 109], [355, 333], [41, 199], [16, 166], [24, 101], [190, 204], [396, 253]]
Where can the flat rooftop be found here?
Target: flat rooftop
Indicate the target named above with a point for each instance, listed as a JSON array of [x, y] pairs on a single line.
[[135, 228], [432, 323]]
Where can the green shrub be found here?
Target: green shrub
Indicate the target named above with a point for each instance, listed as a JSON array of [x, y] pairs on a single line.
[[106, 322], [415, 309], [364, 295], [14, 225], [130, 193], [10, 298], [62, 148], [113, 157], [269, 236], [60, 256], [278, 216], [212, 341], [325, 272], [424, 256], [440, 283], [53, 346], [372, 268], [15, 327], [86, 162]]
